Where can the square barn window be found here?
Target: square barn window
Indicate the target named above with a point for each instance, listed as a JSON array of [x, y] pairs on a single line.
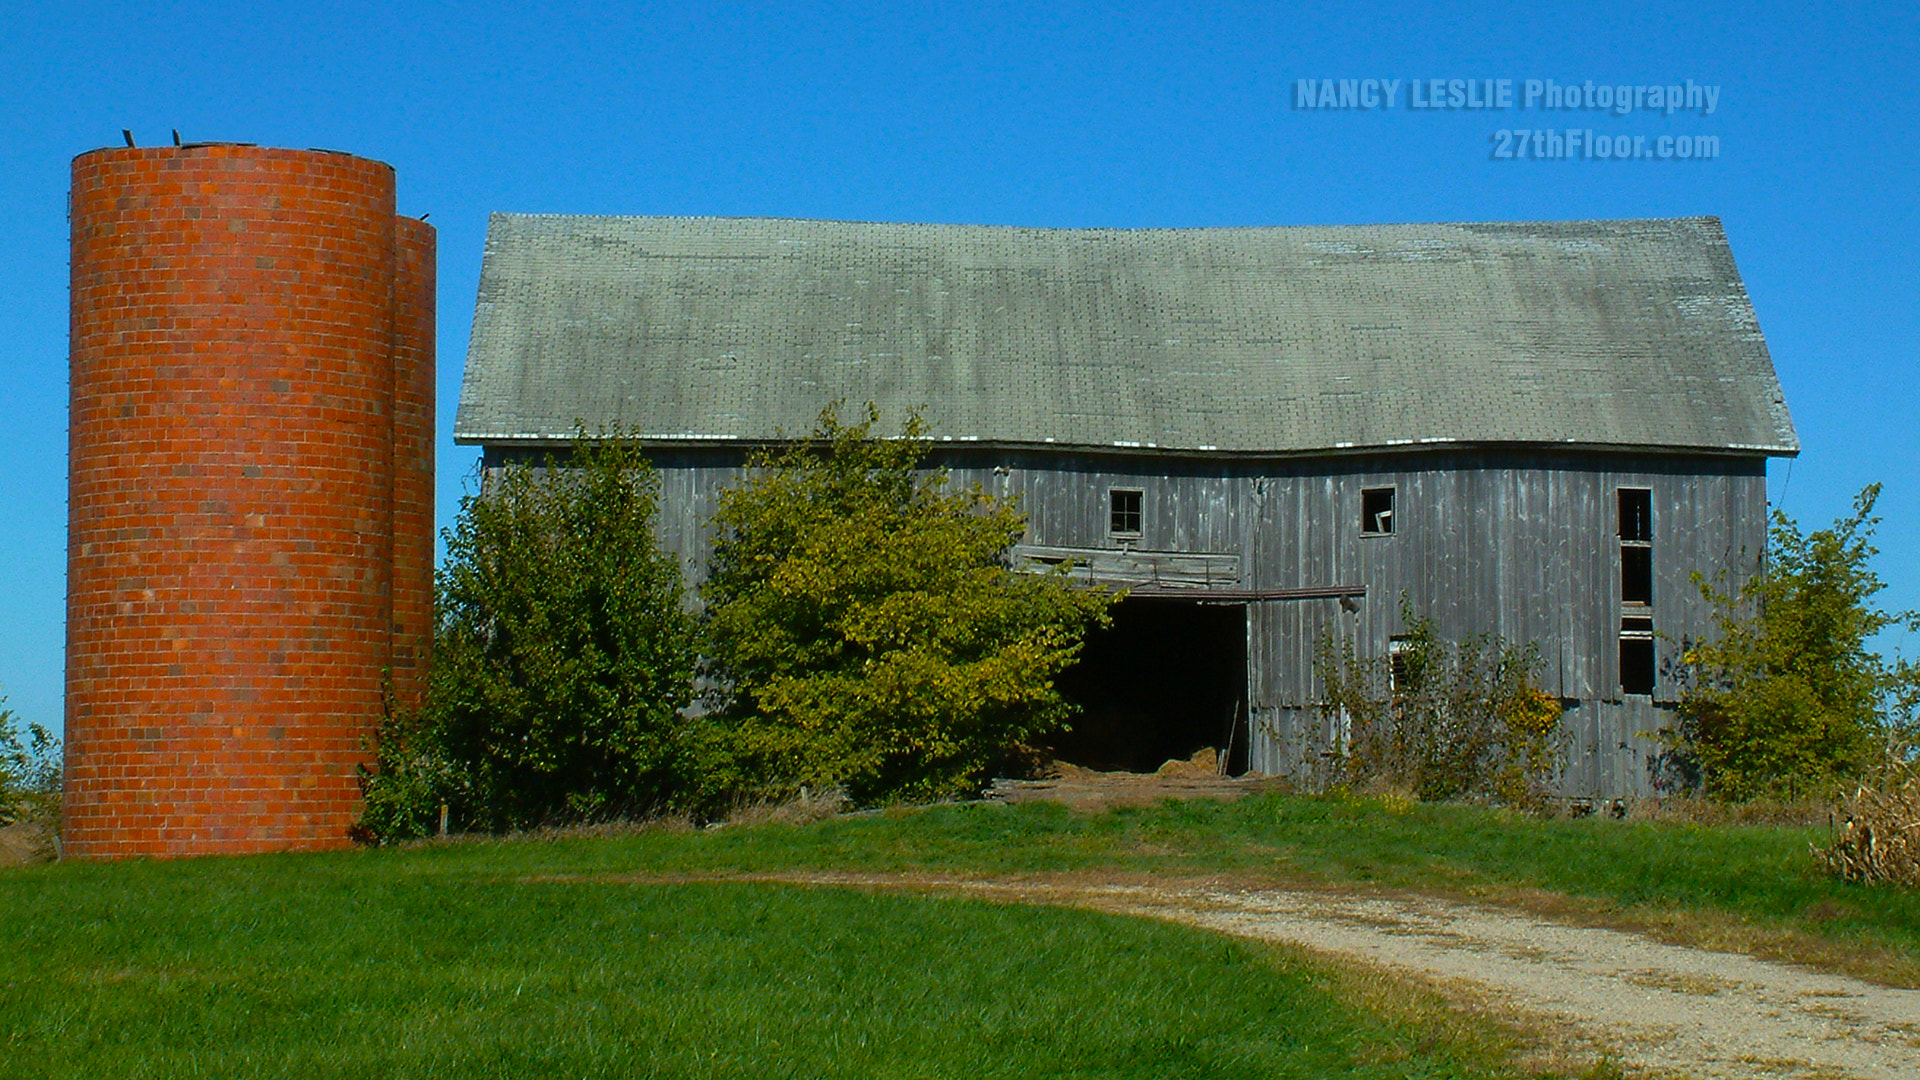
[[1124, 511], [1636, 664], [1376, 511]]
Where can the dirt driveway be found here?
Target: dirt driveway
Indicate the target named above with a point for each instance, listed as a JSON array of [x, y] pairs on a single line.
[[1660, 1009]]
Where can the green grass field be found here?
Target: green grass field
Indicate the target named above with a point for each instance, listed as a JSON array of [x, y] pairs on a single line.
[[586, 957], [1746, 886], [412, 964]]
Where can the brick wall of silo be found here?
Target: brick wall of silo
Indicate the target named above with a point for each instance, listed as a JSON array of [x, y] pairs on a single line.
[[246, 357], [413, 433]]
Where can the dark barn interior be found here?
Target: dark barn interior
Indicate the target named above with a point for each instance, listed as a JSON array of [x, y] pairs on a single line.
[[1166, 680]]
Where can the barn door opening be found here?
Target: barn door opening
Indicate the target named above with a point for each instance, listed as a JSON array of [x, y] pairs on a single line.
[[1167, 679]]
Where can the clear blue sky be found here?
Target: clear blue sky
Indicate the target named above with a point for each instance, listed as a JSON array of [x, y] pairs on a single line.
[[1056, 114]]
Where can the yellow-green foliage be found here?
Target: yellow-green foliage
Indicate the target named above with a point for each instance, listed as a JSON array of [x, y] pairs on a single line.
[[1788, 698], [29, 772], [1532, 719], [1463, 719], [865, 628]]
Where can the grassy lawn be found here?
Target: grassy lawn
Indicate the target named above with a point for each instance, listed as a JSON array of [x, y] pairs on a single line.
[[559, 957], [1749, 887], [388, 964]]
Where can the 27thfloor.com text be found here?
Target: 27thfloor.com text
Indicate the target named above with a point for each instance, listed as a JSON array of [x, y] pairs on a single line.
[[1585, 144]]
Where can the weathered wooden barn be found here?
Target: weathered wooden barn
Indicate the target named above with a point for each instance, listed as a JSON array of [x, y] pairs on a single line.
[[1539, 430]]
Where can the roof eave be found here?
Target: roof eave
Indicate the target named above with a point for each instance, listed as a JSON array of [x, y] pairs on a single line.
[[1150, 450]]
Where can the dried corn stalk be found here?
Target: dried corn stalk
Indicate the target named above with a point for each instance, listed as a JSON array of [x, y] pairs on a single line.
[[1879, 838]]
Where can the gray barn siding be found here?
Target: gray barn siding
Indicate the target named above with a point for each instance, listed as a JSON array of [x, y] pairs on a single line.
[[1523, 547], [1523, 544]]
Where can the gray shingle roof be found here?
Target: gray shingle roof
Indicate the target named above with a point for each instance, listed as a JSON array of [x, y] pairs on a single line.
[[1251, 340]]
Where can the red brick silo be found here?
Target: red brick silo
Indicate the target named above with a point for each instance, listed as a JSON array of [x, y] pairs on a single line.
[[413, 318], [252, 354]]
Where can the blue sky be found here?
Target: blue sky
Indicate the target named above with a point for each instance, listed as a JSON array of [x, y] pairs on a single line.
[[1060, 114]]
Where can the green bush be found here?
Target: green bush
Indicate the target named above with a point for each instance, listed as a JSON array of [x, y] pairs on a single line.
[[1788, 699], [865, 628], [30, 772], [1440, 720], [562, 660]]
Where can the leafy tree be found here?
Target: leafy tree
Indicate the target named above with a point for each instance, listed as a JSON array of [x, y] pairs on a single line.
[[30, 772], [562, 659], [865, 628], [1442, 719], [1789, 697]]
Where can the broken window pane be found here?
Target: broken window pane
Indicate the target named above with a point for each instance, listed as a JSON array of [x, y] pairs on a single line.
[[1399, 678], [1376, 511]]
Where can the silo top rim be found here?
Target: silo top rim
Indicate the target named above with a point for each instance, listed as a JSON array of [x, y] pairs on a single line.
[[216, 146]]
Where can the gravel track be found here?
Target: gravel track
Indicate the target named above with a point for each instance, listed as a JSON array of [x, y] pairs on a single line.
[[1664, 1009], [1658, 1009]]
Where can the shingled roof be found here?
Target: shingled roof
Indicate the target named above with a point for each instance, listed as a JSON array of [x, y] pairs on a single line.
[[1230, 341]]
